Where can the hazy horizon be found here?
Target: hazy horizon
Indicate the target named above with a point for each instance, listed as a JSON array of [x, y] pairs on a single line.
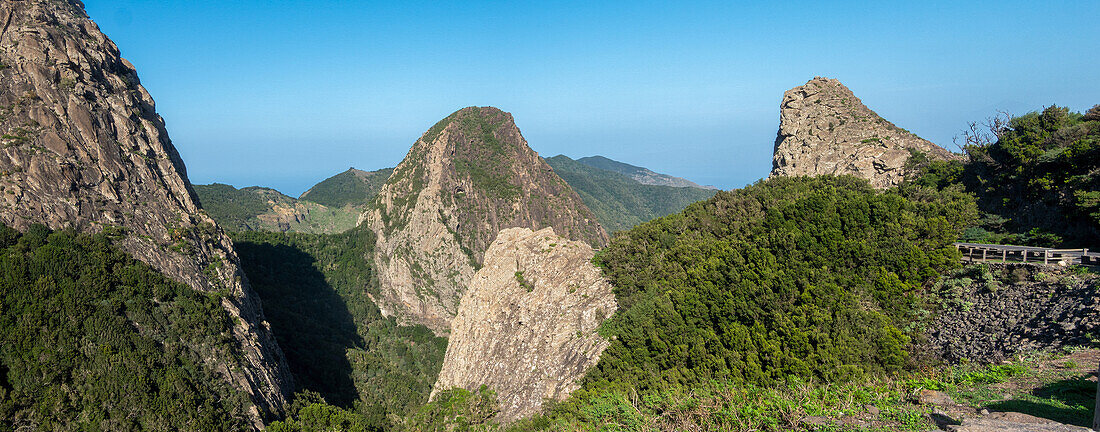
[[286, 94]]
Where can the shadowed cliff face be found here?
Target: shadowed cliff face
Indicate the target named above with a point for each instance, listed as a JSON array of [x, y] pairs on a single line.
[[468, 177], [82, 147], [527, 325], [825, 129]]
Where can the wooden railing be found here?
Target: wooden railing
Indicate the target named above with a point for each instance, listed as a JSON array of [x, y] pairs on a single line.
[[1026, 254]]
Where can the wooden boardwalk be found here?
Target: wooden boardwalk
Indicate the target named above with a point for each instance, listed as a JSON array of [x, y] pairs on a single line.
[[975, 252]]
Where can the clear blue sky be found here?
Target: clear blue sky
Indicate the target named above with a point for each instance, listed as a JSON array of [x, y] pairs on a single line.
[[285, 93]]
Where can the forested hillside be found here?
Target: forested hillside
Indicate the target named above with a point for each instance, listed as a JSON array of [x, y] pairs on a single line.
[[316, 292], [350, 188], [1035, 176], [637, 173], [258, 208], [95, 340], [621, 202], [808, 277]]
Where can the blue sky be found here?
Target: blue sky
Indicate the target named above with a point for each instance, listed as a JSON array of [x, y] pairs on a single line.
[[285, 93]]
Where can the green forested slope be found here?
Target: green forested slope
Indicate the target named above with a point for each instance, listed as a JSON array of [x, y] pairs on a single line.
[[258, 208], [315, 291], [232, 208], [349, 188], [95, 340], [790, 277], [620, 202], [1037, 182]]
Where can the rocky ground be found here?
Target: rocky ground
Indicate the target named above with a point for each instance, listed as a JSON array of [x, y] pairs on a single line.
[[994, 312]]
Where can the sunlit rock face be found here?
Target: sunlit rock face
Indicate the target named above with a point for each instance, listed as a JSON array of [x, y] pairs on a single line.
[[82, 147], [468, 177], [825, 129], [526, 327]]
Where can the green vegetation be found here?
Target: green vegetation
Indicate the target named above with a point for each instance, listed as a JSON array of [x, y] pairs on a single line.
[[1031, 384], [310, 413], [456, 410], [315, 291], [1035, 177], [233, 208], [815, 278], [523, 282], [263, 209], [94, 340], [483, 158], [619, 202], [350, 188]]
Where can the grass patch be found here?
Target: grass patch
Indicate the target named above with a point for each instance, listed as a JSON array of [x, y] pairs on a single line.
[[523, 282]]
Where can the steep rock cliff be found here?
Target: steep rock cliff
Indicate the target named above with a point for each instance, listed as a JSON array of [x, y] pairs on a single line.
[[82, 147], [526, 327], [465, 179], [825, 129]]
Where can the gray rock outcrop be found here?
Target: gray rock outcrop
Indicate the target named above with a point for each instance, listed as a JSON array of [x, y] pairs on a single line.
[[1024, 308], [468, 177], [825, 129], [527, 325], [82, 147]]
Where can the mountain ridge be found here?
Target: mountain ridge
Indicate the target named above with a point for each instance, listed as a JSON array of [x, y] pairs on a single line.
[[619, 201], [639, 174], [84, 149], [466, 178]]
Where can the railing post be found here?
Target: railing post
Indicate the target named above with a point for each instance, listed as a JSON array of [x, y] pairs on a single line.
[[1004, 255], [983, 253], [1096, 417], [1046, 256]]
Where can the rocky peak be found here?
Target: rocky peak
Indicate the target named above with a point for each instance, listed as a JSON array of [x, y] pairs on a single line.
[[82, 147], [465, 179], [527, 324], [825, 129]]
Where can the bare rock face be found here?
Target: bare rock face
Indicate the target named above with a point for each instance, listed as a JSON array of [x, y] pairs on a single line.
[[82, 147], [527, 325], [824, 129], [468, 177]]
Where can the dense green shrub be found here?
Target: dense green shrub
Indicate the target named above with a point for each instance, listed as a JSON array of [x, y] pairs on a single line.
[[456, 410], [789, 277], [94, 340], [315, 292], [233, 208], [1038, 183]]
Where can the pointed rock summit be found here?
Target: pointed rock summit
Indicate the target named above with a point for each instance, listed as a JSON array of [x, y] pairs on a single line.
[[468, 177], [825, 129], [527, 324], [82, 147]]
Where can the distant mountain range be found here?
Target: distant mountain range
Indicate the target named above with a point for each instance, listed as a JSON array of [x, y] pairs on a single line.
[[619, 194], [639, 174], [618, 198]]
